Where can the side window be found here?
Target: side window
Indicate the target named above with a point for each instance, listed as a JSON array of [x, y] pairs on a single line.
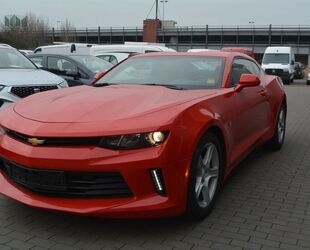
[[255, 69], [83, 75], [38, 61], [113, 60], [104, 57], [60, 66], [151, 51], [239, 67]]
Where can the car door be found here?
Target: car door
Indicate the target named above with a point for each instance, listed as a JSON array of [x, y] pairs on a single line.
[[64, 68], [252, 109]]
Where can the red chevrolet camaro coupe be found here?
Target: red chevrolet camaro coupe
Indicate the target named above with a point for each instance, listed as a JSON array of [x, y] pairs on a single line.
[[155, 137]]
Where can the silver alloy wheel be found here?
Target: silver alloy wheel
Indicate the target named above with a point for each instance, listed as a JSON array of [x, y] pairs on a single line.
[[207, 175], [281, 125]]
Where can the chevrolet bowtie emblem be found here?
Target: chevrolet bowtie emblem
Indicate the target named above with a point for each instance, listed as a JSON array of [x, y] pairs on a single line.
[[35, 141]]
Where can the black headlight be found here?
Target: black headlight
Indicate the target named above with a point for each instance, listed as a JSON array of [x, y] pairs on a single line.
[[134, 141]]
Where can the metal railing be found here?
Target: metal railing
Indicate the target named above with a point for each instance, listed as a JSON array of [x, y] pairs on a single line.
[[284, 28]]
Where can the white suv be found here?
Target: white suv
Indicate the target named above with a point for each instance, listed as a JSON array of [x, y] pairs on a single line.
[[19, 77]]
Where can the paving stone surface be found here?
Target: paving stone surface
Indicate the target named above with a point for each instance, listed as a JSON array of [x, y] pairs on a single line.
[[263, 205]]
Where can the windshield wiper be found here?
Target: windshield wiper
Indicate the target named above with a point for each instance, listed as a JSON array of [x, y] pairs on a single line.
[[104, 84], [164, 85]]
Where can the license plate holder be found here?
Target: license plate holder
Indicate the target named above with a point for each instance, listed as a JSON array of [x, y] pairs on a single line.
[[45, 180]]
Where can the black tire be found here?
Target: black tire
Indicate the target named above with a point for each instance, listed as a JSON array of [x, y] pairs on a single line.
[[194, 211], [277, 141], [287, 82], [308, 82]]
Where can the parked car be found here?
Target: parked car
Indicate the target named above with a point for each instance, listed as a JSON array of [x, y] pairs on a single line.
[[75, 69], [26, 51], [299, 71], [114, 58], [155, 137], [280, 61], [19, 77], [247, 51]]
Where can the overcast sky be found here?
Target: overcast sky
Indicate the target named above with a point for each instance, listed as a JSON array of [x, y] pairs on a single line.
[[118, 13]]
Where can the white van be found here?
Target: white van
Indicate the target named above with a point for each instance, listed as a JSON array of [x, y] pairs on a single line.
[[280, 61], [119, 51]]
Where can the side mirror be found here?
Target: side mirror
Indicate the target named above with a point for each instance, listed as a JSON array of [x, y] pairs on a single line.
[[292, 62], [247, 80], [72, 73]]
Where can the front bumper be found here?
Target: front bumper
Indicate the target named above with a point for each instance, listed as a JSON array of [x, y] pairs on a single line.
[[133, 165], [284, 75]]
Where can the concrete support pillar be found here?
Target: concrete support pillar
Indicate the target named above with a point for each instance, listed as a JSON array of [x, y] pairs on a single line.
[[207, 36], [99, 35]]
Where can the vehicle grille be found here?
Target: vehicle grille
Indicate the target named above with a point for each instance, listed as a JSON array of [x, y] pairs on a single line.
[[66, 184], [276, 72], [87, 141], [27, 91]]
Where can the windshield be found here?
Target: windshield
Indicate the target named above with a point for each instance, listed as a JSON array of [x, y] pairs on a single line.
[[187, 72], [93, 63], [276, 58], [12, 59]]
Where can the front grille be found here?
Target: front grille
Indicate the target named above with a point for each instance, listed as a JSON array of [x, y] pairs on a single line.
[[57, 183], [29, 90], [86, 141], [276, 72]]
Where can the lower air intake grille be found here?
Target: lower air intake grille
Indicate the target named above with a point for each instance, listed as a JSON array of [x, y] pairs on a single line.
[[27, 91], [66, 184]]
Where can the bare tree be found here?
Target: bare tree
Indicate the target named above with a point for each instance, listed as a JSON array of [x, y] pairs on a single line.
[[66, 28], [30, 35]]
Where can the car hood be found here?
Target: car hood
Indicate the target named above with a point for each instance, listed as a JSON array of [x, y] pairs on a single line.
[[90, 104], [17, 77]]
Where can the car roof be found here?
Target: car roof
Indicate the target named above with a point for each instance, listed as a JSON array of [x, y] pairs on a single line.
[[202, 53], [275, 49], [5, 46], [64, 55]]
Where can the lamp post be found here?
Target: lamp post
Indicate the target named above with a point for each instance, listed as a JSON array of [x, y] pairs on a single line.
[[253, 36], [58, 24], [156, 9], [164, 2]]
